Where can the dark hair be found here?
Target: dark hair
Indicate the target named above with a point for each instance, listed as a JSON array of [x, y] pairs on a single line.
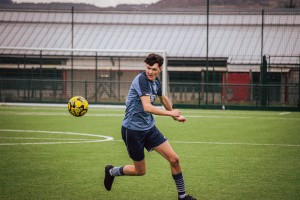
[[153, 58]]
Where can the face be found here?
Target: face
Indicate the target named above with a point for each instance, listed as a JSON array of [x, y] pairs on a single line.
[[152, 71]]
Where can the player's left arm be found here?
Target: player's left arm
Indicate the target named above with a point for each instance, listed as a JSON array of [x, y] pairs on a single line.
[[165, 101]]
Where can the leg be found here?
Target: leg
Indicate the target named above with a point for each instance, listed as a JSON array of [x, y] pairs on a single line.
[[134, 141], [169, 154], [166, 150], [137, 169]]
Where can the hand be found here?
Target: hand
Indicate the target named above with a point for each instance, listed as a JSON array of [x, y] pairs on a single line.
[[175, 113], [180, 119]]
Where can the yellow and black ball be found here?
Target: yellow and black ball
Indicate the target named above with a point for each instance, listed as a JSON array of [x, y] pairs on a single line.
[[78, 106]]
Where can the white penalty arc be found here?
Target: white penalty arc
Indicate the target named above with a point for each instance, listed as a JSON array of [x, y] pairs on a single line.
[[70, 141]]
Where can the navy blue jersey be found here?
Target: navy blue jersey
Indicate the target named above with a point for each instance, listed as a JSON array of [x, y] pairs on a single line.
[[136, 118]]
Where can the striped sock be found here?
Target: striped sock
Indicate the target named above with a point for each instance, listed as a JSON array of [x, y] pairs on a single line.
[[117, 171], [179, 181]]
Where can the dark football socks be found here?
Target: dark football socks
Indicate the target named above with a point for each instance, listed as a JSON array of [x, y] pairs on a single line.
[[178, 178], [117, 171]]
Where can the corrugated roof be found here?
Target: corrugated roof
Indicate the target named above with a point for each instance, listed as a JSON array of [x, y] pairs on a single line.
[[237, 37]]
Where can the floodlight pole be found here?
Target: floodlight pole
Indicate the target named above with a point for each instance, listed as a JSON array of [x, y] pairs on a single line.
[[262, 35], [262, 83], [72, 46], [207, 46]]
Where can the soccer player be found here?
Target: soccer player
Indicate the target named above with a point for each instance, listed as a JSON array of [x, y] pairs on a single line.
[[139, 130]]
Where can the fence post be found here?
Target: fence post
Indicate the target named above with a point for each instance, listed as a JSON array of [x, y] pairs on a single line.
[[119, 79], [263, 81], [299, 85], [41, 84], [85, 89], [96, 76]]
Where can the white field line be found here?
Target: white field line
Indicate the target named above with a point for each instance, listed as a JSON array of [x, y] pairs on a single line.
[[28, 138], [237, 143], [35, 143], [284, 113], [70, 141], [228, 143], [108, 138], [122, 115]]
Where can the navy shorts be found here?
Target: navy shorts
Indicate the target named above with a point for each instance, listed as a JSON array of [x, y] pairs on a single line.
[[136, 141]]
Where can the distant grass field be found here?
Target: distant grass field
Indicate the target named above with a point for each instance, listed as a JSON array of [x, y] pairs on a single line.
[[45, 153]]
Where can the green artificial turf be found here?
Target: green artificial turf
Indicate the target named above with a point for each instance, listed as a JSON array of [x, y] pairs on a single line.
[[45, 153]]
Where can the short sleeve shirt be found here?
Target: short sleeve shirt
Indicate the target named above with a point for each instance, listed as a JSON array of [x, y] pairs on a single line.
[[135, 117]]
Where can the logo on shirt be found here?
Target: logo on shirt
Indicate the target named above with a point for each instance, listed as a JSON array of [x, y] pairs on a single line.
[[152, 98]]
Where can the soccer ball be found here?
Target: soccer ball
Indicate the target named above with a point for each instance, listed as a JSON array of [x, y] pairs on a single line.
[[78, 106]]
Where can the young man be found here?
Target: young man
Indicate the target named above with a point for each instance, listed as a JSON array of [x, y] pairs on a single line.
[[139, 130]]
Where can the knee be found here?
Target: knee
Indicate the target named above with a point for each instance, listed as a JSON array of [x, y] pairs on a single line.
[[174, 161], [140, 172]]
